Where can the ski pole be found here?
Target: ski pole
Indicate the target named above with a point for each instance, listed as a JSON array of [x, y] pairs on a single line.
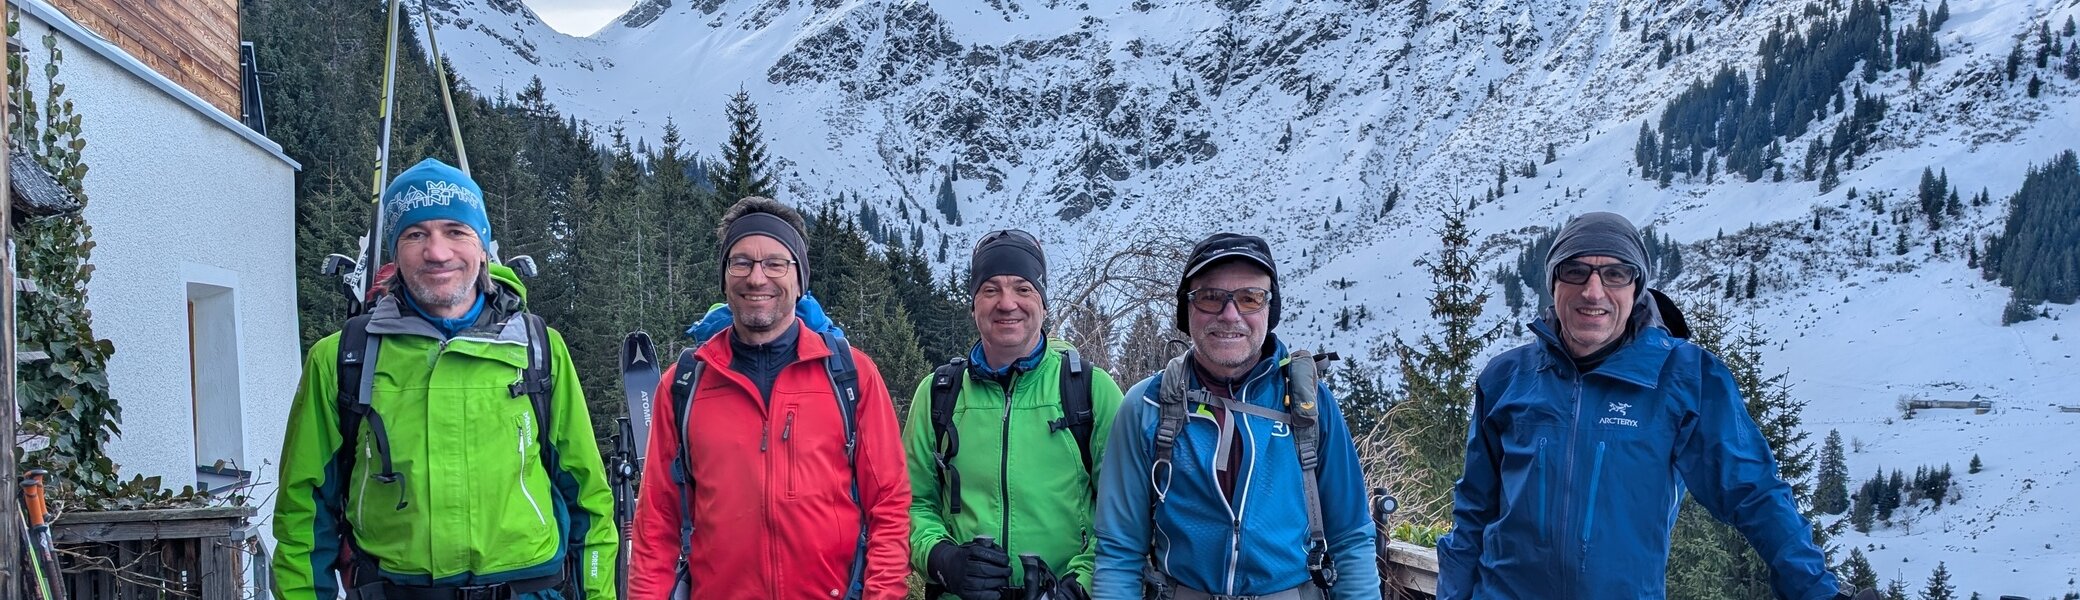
[[34, 532], [1383, 507]]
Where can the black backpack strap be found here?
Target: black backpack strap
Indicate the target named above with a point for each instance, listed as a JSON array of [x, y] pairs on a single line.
[[356, 371], [686, 378], [535, 381], [1076, 404], [844, 376], [1303, 397], [946, 391]]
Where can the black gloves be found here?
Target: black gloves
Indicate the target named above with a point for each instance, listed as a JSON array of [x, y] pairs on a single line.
[[1068, 589], [977, 570], [1041, 582]]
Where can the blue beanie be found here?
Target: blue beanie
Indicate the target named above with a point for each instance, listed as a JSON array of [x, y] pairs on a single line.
[[428, 191]]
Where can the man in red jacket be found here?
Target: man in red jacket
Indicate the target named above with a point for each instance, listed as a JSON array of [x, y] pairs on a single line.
[[771, 499]]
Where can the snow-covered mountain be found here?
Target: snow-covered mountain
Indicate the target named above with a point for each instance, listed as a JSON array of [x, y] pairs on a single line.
[[1093, 122]]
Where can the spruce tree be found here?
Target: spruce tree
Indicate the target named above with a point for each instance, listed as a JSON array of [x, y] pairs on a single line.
[[746, 168], [1939, 587], [1976, 466], [1863, 511], [1438, 373], [1856, 571], [1831, 489], [1830, 177]]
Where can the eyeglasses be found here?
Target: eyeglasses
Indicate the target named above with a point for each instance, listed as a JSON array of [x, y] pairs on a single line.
[[1212, 300], [775, 267], [1576, 272]]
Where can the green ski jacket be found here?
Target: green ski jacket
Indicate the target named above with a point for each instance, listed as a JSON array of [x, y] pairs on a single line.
[[476, 504]]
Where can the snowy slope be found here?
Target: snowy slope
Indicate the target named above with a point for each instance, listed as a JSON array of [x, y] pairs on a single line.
[[1150, 117]]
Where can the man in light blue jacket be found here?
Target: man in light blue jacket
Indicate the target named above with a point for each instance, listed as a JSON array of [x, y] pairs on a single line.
[[1583, 442], [1232, 474]]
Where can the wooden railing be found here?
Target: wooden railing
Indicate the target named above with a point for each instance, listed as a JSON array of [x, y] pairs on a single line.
[[1411, 572], [173, 553]]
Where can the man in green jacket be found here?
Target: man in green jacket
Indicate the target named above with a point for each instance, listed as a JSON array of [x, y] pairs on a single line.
[[459, 461], [1003, 445]]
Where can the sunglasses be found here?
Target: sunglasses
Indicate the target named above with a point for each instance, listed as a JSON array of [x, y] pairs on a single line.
[[1247, 300], [1576, 272]]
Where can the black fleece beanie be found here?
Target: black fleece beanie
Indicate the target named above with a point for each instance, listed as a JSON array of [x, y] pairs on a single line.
[[1008, 252]]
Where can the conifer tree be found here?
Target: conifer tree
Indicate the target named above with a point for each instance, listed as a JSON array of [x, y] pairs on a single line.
[[1856, 571], [1939, 587], [1831, 490], [1438, 372], [746, 169]]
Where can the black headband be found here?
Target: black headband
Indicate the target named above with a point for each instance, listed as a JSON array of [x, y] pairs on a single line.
[[772, 226]]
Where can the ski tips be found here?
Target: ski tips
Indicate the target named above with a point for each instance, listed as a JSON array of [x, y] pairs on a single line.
[[636, 349]]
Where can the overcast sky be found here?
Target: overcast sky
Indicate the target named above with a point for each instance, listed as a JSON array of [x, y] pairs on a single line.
[[578, 17]]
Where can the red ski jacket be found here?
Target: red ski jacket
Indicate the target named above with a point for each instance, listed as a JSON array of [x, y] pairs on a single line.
[[773, 515]]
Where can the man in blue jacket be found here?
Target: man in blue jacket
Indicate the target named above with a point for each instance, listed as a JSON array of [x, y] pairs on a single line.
[[1583, 442], [1232, 474]]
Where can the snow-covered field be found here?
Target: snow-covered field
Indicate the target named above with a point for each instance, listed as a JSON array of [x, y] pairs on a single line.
[[1045, 103]]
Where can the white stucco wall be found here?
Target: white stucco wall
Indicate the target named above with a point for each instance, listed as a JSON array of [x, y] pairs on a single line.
[[180, 199]]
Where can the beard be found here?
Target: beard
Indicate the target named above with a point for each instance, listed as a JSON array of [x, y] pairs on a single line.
[[434, 297]]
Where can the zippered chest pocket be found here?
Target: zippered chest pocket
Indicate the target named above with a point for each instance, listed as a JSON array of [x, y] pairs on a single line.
[[790, 452]]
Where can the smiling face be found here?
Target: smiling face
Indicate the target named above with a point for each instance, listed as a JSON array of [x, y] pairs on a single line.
[[1008, 311], [1592, 316], [761, 305], [1227, 343], [440, 261]]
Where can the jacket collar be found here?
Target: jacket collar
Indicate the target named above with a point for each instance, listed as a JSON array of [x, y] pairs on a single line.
[[809, 347], [499, 325], [1638, 361], [978, 362]]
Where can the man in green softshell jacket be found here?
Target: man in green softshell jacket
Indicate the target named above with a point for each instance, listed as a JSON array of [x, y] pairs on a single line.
[[1006, 451], [459, 462]]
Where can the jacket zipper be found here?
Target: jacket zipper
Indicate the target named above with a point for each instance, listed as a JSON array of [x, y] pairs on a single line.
[[1574, 427], [1589, 522], [367, 479], [1545, 503], [787, 438], [1242, 490], [1004, 465], [521, 432], [765, 434]]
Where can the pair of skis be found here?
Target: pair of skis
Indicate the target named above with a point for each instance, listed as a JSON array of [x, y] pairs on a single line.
[[361, 274], [639, 376]]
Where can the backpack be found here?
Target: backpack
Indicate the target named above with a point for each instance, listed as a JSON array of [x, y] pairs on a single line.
[[844, 378], [946, 390], [1302, 417]]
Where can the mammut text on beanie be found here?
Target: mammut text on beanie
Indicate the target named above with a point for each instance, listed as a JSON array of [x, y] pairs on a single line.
[[432, 190]]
